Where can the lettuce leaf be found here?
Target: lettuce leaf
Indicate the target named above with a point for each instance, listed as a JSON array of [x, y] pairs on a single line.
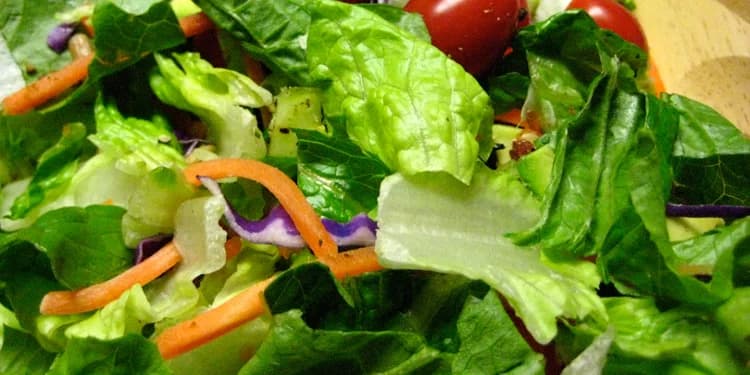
[[389, 322], [54, 170], [413, 107], [21, 354], [434, 224], [220, 97]]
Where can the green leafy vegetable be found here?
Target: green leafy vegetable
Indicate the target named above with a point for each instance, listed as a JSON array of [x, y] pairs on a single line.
[[338, 179], [132, 354], [54, 170], [391, 104], [218, 96], [21, 354], [710, 156], [476, 217]]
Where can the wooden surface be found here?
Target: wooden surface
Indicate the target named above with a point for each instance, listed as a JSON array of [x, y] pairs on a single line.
[[702, 50]]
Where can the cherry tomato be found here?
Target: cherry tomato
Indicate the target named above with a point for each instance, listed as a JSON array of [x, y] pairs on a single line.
[[475, 33], [611, 15]]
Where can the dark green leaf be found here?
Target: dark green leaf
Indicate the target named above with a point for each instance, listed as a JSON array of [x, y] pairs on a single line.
[[54, 171], [710, 157], [336, 176], [84, 245]]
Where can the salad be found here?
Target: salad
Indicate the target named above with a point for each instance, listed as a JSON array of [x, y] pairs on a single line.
[[316, 186]]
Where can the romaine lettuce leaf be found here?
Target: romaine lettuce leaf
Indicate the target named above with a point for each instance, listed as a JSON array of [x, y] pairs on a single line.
[[434, 224], [397, 96], [220, 97], [138, 145]]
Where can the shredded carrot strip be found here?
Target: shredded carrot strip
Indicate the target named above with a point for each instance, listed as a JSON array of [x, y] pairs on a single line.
[[512, 117], [47, 87], [249, 304], [353, 262], [99, 295], [653, 73], [195, 24], [286, 191], [189, 334]]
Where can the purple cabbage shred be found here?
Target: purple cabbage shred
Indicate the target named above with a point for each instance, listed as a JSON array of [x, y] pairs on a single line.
[[58, 38], [707, 210], [148, 246], [277, 227]]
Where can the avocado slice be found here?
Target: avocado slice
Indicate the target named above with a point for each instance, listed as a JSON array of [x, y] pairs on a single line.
[[535, 169]]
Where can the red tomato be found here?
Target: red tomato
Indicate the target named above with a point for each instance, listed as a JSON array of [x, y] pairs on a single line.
[[611, 15], [475, 33]]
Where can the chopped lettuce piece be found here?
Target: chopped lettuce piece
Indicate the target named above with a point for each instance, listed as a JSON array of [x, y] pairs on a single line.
[[220, 97], [153, 203], [434, 224], [295, 108], [139, 145]]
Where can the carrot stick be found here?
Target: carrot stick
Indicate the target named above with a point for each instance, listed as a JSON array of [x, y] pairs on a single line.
[[249, 304], [653, 73], [98, 295], [47, 87], [189, 334], [353, 262], [286, 191], [512, 117], [195, 24]]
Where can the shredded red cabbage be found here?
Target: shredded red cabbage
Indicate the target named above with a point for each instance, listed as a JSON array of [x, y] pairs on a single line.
[[57, 39], [277, 227], [707, 210], [148, 246]]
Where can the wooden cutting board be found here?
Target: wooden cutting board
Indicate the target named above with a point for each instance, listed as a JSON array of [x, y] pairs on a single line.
[[702, 50]]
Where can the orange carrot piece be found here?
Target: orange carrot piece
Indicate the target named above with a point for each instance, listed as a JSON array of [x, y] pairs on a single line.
[[47, 87], [195, 24], [512, 117], [99, 295], [353, 262], [286, 191], [249, 304], [653, 73], [189, 334], [233, 246]]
